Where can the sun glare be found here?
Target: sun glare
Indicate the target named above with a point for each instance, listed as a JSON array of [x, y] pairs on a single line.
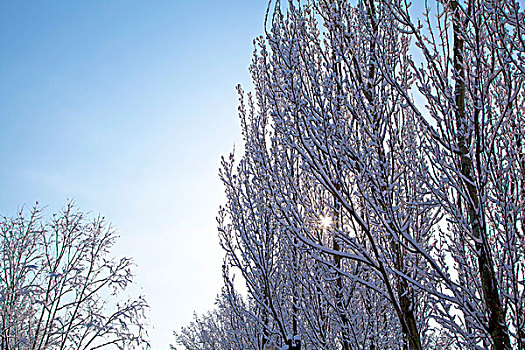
[[325, 221]]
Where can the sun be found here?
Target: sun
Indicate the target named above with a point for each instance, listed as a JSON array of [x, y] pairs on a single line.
[[325, 221]]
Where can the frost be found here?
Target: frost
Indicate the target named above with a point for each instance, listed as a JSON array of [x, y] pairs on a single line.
[[419, 167]]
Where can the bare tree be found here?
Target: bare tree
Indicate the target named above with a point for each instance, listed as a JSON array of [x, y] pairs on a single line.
[[471, 78], [60, 288], [332, 107], [384, 174]]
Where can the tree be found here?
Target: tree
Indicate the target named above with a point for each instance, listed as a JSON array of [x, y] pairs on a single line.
[[232, 325], [384, 159], [348, 131], [473, 86], [60, 289]]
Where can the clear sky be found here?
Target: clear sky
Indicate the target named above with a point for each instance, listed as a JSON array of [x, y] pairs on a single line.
[[126, 107]]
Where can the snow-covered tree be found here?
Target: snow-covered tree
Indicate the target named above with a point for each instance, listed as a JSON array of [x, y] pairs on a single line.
[[471, 79], [379, 200], [60, 288]]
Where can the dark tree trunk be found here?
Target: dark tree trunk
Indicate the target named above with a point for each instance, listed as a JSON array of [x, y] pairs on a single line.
[[496, 315]]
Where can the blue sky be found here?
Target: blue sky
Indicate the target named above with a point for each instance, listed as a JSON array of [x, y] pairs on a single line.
[[126, 107]]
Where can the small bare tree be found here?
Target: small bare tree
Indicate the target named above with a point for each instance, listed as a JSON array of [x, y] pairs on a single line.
[[59, 288]]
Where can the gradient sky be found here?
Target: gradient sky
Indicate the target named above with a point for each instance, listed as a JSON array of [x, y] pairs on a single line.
[[126, 107]]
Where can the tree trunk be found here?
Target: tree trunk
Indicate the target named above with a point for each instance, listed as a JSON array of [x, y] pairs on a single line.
[[496, 315]]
